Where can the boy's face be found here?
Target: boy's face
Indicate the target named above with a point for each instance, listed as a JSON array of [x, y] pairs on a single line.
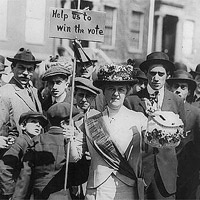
[[57, 85], [32, 127]]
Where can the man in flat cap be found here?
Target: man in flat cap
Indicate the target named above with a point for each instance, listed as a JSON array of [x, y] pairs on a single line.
[[159, 165], [18, 95], [57, 78], [188, 151]]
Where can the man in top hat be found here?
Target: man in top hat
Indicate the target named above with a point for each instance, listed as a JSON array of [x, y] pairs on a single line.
[[2, 69], [85, 64], [159, 165], [195, 101], [18, 95], [183, 85], [57, 78]]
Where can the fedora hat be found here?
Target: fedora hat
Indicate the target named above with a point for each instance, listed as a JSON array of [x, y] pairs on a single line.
[[82, 55], [157, 58], [86, 84], [184, 76], [114, 73], [197, 70], [24, 55], [2, 65]]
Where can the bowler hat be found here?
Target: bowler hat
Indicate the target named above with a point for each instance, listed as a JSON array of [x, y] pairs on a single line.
[[24, 55], [184, 76], [114, 73], [57, 70], [59, 111], [140, 75], [82, 55], [180, 66], [157, 58], [2, 65], [31, 114], [86, 84]]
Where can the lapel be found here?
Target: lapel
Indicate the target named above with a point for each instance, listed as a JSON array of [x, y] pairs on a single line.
[[143, 94], [22, 94], [166, 101], [36, 98]]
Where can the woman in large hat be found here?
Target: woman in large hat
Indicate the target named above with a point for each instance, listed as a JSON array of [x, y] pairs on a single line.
[[114, 140]]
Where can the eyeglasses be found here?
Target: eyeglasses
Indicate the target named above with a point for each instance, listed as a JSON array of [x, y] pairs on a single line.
[[183, 86]]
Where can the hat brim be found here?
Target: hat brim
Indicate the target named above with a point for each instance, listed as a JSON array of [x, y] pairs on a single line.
[[101, 83], [144, 66], [88, 89], [46, 78], [24, 61], [192, 84], [85, 61], [42, 119]]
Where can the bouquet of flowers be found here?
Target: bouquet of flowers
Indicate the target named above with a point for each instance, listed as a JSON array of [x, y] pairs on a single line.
[[164, 129]]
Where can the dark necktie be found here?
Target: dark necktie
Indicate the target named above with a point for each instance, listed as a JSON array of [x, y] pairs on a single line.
[[154, 98]]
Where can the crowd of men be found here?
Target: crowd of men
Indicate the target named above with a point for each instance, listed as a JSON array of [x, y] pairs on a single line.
[[27, 111]]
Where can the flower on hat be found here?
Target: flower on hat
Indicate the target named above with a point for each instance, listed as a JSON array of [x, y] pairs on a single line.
[[114, 72]]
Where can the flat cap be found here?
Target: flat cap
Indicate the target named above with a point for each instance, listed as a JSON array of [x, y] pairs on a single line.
[[57, 69], [31, 114], [86, 84], [59, 111]]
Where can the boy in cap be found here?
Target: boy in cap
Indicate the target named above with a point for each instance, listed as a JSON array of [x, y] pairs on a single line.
[[159, 165], [32, 124], [48, 156], [183, 85], [20, 96], [57, 78]]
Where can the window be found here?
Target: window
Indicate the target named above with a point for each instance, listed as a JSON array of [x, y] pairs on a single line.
[[35, 21], [110, 27], [136, 31], [188, 33], [3, 19]]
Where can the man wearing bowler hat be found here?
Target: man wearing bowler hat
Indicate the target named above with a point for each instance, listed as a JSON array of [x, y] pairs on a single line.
[[188, 151], [195, 101], [159, 165], [19, 96]]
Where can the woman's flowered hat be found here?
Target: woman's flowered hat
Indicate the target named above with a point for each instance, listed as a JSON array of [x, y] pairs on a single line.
[[114, 73]]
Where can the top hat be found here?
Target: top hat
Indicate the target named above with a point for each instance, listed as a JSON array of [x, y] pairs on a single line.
[[86, 84], [157, 58], [32, 114], [117, 74], [184, 76], [2, 65], [86, 51], [25, 56]]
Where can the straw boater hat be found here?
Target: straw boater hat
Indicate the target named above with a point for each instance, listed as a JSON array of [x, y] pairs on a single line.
[[184, 76], [25, 56], [157, 58], [113, 73]]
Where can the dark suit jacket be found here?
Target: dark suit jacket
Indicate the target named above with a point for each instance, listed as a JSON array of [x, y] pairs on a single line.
[[165, 159], [189, 155]]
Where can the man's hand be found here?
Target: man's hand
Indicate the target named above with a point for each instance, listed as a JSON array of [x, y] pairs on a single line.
[[68, 132], [3, 142]]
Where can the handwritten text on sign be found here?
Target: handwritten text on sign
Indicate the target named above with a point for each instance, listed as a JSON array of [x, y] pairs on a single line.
[[71, 24]]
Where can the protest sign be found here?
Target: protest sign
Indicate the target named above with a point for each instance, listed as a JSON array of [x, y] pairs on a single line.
[[80, 24]]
